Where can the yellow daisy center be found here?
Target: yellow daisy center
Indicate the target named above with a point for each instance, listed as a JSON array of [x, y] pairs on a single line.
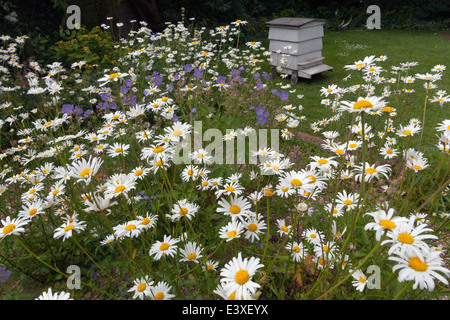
[[192, 256], [119, 189], [9, 228], [371, 170], [241, 277], [158, 149], [84, 173], [417, 264], [177, 133], [362, 104], [322, 161], [32, 212], [388, 224], [387, 109], [159, 296], [232, 234], [284, 228], [113, 76], [234, 209], [183, 211], [164, 246], [296, 182], [405, 238], [252, 227], [130, 227], [138, 172], [141, 287], [229, 188], [68, 228], [348, 202]]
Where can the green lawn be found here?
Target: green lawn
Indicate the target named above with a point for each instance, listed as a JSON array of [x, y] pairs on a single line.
[[428, 48]]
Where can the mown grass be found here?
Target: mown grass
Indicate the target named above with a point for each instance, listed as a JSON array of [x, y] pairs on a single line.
[[429, 48]]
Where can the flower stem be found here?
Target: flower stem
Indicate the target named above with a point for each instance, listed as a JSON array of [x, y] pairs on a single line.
[[406, 287]]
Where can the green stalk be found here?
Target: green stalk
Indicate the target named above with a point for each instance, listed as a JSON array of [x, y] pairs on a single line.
[[356, 268], [57, 270], [406, 287], [423, 119], [268, 233]]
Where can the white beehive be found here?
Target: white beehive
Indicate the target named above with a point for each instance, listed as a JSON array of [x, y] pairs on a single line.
[[296, 47]]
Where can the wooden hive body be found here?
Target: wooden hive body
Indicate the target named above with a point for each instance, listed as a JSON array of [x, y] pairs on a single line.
[[296, 46]]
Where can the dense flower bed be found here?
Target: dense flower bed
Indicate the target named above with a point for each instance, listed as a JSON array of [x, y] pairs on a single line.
[[177, 174]]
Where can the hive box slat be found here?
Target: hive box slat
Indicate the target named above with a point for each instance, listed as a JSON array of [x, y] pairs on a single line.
[[296, 44]]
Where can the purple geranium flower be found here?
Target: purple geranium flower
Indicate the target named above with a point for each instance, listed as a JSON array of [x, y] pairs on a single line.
[[221, 80], [128, 82], [259, 85], [198, 73], [259, 110], [67, 108], [262, 118], [104, 96], [87, 113], [78, 110], [124, 89], [188, 68], [4, 274], [284, 95], [261, 114], [157, 79]]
